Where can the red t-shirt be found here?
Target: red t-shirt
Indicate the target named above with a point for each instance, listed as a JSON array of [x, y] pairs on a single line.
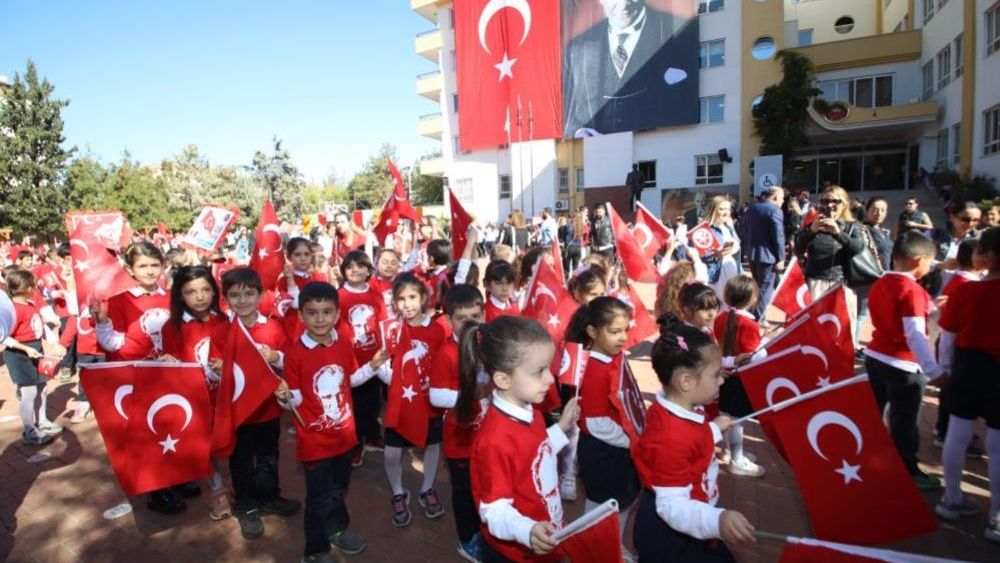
[[957, 280], [384, 288], [458, 437], [190, 340], [434, 280], [341, 246], [140, 316], [514, 459], [283, 307], [971, 313], [28, 326], [493, 308], [595, 390], [892, 298], [265, 332], [747, 332], [360, 313], [322, 374]]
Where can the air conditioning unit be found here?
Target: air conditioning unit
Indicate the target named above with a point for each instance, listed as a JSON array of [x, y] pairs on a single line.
[[562, 205]]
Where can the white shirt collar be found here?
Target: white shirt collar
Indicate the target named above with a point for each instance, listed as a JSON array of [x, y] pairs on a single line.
[[904, 274], [139, 292], [744, 313], [261, 319], [309, 343], [499, 304], [520, 413], [603, 358], [968, 275], [632, 32], [302, 274], [188, 317], [426, 322], [358, 291], [678, 410]]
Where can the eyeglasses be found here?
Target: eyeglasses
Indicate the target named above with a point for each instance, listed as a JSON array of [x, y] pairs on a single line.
[[967, 219], [831, 202]]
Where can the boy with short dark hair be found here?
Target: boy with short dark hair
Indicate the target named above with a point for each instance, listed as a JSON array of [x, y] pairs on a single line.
[[321, 370], [899, 358], [435, 277]]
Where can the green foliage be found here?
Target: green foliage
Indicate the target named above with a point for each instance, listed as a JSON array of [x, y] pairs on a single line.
[[316, 196], [426, 190], [32, 159], [779, 119], [980, 188], [280, 180], [193, 183], [370, 187]]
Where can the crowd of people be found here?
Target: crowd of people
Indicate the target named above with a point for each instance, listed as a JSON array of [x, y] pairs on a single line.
[[516, 444]]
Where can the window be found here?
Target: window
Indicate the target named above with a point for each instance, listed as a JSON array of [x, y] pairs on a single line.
[[959, 63], [929, 80], [956, 142], [928, 10], [844, 25], [941, 162], [454, 102], [579, 179], [707, 6], [462, 189], [648, 169], [713, 109], [708, 169], [458, 147], [866, 91], [943, 67], [505, 186], [993, 29], [451, 17], [564, 180], [805, 37], [712, 53], [991, 130]]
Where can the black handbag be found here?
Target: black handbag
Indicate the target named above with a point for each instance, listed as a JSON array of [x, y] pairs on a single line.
[[864, 267]]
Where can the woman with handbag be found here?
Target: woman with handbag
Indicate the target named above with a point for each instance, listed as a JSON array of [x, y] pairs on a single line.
[[724, 263], [879, 240], [828, 247]]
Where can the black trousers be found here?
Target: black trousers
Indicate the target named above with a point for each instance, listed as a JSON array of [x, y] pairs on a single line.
[[253, 464], [326, 507], [902, 392], [467, 521], [765, 276], [367, 400]]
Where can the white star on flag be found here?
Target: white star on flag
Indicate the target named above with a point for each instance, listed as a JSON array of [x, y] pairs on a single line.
[[505, 67], [553, 320], [850, 472], [262, 253], [170, 444], [631, 323], [83, 265], [409, 393], [823, 382]]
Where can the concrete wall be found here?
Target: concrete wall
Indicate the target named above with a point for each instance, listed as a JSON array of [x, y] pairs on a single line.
[[820, 15]]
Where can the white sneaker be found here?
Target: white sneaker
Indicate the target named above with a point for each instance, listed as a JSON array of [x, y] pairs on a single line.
[[992, 532], [628, 556], [967, 507], [567, 488], [743, 467]]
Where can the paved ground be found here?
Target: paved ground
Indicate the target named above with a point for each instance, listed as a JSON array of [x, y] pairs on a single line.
[[52, 502]]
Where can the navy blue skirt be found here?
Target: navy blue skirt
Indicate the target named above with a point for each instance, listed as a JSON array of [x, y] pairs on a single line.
[[23, 370], [656, 542]]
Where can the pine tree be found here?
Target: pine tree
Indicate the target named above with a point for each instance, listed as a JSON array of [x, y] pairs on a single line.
[[32, 159], [280, 180]]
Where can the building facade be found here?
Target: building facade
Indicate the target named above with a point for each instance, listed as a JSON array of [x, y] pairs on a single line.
[[914, 86]]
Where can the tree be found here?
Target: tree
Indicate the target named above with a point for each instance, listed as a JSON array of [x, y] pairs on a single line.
[[779, 120], [425, 190], [370, 187], [193, 183], [32, 159], [315, 196], [86, 184], [280, 180]]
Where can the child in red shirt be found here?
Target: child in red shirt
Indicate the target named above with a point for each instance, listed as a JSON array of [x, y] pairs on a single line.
[[386, 268], [499, 282], [677, 519], [129, 324], [464, 397], [320, 370], [515, 480], [298, 273]]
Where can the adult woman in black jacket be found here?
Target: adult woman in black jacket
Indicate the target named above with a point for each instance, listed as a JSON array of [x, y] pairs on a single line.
[[828, 244], [876, 211]]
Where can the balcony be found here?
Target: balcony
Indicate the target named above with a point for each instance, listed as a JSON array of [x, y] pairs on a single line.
[[428, 45], [431, 125], [432, 166], [864, 51], [430, 84], [426, 8], [876, 120]]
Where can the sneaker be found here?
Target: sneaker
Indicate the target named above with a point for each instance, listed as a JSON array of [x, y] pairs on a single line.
[[358, 456], [967, 507], [567, 488], [251, 526], [375, 446], [432, 505], [80, 413], [35, 437], [49, 428], [325, 557], [472, 549], [219, 508], [992, 531], [187, 490], [926, 482], [280, 506], [165, 501], [348, 542], [401, 509], [743, 467]]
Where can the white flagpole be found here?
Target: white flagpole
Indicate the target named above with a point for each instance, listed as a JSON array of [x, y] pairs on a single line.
[[871, 552], [587, 520], [531, 155], [803, 397]]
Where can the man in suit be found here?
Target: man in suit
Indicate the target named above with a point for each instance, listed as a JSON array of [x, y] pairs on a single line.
[[636, 69], [765, 242]]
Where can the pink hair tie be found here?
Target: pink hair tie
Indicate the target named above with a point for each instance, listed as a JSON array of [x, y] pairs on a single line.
[[682, 344]]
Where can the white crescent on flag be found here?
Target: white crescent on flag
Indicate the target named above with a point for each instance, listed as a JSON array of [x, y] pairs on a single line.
[[494, 6], [826, 418], [166, 401]]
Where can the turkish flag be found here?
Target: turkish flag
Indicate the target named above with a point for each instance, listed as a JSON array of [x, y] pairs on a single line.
[[396, 207], [637, 266], [809, 550], [247, 381], [557, 262], [97, 273], [811, 334], [268, 258], [703, 239], [626, 397], [548, 301], [854, 484], [792, 294], [572, 363], [649, 232], [642, 325], [48, 366], [110, 228], [407, 408], [509, 71], [594, 537], [109, 389], [460, 221], [831, 308]]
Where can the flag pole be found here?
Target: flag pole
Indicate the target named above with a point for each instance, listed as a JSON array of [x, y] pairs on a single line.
[[803, 397], [875, 553], [520, 156], [531, 155]]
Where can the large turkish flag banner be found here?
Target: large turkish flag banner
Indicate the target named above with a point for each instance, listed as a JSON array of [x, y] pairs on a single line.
[[509, 71], [854, 484]]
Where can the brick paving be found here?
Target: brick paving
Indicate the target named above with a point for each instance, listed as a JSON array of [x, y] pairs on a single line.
[[52, 505]]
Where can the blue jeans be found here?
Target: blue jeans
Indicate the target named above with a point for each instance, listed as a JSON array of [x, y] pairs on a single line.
[[764, 274]]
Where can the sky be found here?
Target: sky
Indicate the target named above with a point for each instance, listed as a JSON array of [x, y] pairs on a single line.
[[332, 79]]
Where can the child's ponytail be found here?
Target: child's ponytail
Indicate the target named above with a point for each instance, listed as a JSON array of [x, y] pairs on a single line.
[[469, 365]]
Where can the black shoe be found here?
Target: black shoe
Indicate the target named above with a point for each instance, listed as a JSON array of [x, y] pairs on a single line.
[[280, 506], [165, 501], [187, 490], [251, 526]]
